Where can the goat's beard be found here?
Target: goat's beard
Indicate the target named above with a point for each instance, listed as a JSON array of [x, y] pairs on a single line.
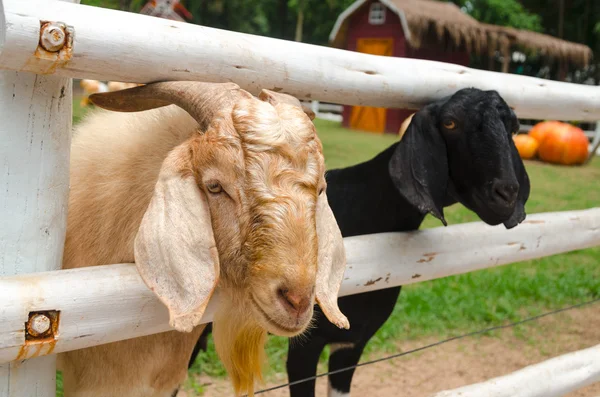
[[240, 344]]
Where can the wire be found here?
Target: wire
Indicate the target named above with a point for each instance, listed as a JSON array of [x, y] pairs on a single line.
[[441, 342]]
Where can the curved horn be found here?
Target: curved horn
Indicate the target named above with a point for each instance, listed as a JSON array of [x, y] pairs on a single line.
[[201, 100]]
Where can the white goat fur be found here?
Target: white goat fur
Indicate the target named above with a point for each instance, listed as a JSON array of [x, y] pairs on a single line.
[[115, 163], [124, 152]]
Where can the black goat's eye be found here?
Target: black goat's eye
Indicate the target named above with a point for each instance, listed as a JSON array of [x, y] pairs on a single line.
[[450, 125], [214, 187]]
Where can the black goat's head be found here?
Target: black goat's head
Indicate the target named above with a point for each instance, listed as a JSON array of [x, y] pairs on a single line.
[[462, 146]]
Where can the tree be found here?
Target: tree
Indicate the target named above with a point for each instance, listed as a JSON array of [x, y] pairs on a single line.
[[580, 24], [502, 12]]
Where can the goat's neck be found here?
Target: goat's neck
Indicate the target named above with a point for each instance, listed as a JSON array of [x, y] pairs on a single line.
[[364, 199]]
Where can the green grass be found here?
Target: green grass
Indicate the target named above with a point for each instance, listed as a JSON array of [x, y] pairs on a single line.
[[475, 300], [479, 299]]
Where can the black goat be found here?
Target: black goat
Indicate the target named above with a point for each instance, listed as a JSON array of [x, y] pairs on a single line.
[[458, 149]]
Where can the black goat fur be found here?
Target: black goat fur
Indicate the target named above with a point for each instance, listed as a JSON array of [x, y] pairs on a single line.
[[458, 149]]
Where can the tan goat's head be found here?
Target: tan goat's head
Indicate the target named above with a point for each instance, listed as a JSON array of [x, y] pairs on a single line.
[[244, 198]]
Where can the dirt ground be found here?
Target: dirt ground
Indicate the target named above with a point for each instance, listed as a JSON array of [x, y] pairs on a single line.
[[459, 363]]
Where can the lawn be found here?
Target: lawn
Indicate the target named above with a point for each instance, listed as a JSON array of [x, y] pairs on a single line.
[[476, 300]]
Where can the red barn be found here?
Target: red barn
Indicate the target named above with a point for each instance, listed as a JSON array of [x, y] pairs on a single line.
[[424, 29]]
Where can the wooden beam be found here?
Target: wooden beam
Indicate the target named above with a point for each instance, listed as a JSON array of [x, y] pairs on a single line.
[[35, 125], [109, 303], [121, 46]]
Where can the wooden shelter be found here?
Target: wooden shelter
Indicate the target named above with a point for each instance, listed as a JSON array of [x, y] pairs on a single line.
[[432, 30], [423, 29], [505, 39]]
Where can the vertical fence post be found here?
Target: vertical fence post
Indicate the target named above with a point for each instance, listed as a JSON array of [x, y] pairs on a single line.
[[595, 144], [35, 139], [314, 107]]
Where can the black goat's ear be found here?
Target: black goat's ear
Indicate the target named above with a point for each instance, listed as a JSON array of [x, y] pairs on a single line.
[[419, 165], [518, 214]]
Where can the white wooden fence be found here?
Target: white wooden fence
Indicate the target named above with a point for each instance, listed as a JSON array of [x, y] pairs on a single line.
[[45, 43]]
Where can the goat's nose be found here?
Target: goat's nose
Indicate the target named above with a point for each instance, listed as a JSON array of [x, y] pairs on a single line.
[[295, 302], [505, 191]]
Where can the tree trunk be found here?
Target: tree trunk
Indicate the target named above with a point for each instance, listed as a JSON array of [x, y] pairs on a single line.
[[586, 22], [561, 18], [124, 5], [491, 62], [283, 12], [226, 16], [203, 17], [299, 21]]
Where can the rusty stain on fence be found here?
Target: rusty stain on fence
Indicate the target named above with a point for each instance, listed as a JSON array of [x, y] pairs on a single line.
[[371, 282], [521, 248], [54, 49], [429, 256], [38, 336]]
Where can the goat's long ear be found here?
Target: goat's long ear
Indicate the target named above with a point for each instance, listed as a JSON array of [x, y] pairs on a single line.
[[275, 97], [419, 165], [175, 251], [518, 214], [332, 263]]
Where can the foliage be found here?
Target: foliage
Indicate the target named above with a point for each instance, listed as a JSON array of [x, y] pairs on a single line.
[[502, 12]]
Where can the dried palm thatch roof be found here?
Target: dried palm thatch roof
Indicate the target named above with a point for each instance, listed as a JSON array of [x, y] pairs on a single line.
[[421, 18], [445, 19], [546, 46]]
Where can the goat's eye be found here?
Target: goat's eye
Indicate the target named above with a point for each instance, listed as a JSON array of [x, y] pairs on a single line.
[[450, 125], [321, 191], [214, 187]]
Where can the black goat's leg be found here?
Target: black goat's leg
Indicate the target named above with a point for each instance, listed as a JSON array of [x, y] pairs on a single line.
[[201, 344], [343, 355], [302, 361]]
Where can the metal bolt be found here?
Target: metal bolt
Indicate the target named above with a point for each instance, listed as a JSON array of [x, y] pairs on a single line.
[[53, 37], [38, 324]]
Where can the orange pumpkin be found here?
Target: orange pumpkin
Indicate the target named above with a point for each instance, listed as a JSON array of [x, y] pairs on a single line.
[[540, 130], [526, 145], [564, 144]]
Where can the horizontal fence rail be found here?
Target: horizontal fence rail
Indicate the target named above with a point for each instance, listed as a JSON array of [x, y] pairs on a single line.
[[109, 303], [98, 305], [120, 46], [551, 378]]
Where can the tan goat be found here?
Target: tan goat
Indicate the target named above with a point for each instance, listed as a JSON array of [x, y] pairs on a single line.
[[232, 190]]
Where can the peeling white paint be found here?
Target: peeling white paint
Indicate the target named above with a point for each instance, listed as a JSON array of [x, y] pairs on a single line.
[[375, 261], [172, 50], [35, 139]]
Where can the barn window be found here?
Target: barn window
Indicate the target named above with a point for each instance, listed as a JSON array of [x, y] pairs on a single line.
[[377, 14]]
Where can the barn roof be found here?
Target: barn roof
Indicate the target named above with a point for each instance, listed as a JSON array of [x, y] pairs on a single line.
[[419, 18], [543, 44]]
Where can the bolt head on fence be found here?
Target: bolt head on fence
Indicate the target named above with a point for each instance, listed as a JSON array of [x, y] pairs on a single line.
[[53, 36]]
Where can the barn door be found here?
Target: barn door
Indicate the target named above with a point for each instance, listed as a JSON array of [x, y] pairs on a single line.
[[369, 118]]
